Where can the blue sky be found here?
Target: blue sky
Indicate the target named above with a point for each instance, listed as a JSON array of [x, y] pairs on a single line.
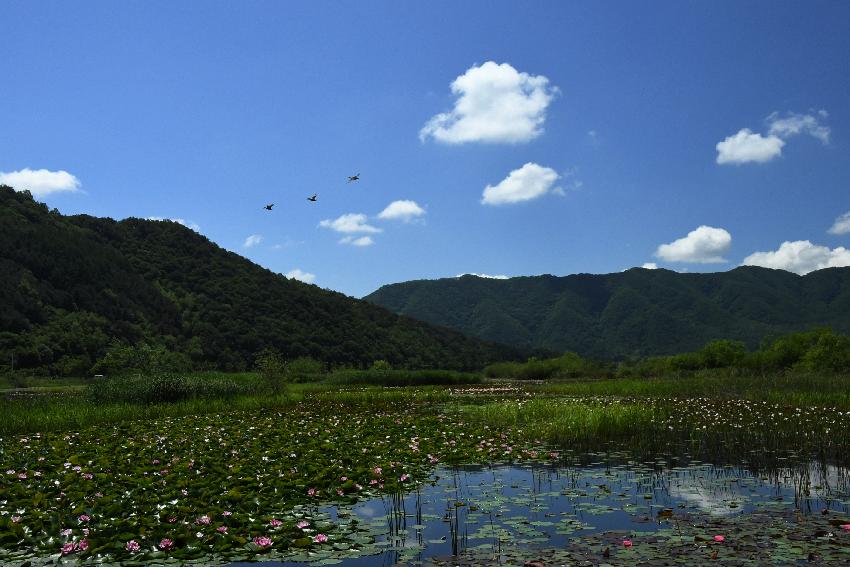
[[693, 136]]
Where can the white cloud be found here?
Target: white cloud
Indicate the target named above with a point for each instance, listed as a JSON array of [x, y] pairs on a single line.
[[703, 245], [794, 124], [253, 240], [841, 225], [40, 182], [800, 257], [487, 276], [402, 210], [362, 241], [495, 103], [301, 276], [650, 266], [523, 184], [184, 222], [747, 146], [350, 223]]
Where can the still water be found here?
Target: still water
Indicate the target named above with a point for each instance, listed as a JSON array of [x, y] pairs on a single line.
[[511, 514]]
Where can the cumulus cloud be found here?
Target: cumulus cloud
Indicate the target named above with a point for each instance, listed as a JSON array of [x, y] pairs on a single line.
[[301, 276], [184, 222], [40, 182], [495, 103], [793, 124], [841, 225], [487, 276], [350, 223], [703, 245], [747, 146], [253, 240], [801, 257], [361, 241], [528, 182], [650, 266], [402, 210]]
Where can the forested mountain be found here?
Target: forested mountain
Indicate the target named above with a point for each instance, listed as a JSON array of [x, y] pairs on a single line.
[[634, 313], [71, 287]]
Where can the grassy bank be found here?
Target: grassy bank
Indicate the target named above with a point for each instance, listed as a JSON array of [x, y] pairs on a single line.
[[791, 388]]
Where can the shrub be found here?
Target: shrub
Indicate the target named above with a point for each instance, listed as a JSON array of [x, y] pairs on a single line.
[[272, 369]]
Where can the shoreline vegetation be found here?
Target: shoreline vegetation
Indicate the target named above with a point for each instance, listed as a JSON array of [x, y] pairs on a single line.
[[800, 369]]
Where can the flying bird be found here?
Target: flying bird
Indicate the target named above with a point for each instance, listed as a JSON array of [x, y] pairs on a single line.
[[313, 198], [269, 206], [355, 177]]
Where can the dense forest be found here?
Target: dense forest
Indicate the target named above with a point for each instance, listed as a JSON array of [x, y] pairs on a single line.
[[76, 291], [632, 314]]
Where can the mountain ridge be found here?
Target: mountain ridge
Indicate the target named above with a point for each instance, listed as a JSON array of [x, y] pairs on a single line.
[[634, 313], [71, 286]]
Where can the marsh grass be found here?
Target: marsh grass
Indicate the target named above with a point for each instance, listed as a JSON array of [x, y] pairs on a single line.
[[791, 388], [76, 410], [713, 429], [397, 378]]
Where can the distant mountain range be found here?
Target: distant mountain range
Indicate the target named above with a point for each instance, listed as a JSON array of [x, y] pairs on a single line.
[[71, 286], [635, 313]]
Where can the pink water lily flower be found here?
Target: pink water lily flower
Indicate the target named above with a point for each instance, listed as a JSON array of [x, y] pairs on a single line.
[[320, 538], [165, 544], [262, 541], [302, 524], [83, 545], [845, 527], [275, 522], [67, 548], [84, 518], [627, 543], [719, 538], [133, 546]]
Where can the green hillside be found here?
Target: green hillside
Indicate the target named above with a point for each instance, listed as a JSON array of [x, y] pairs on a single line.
[[72, 286], [638, 312]]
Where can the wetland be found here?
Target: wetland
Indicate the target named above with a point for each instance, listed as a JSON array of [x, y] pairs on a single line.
[[495, 473]]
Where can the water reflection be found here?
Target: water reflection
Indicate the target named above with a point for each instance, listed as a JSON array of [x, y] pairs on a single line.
[[489, 509]]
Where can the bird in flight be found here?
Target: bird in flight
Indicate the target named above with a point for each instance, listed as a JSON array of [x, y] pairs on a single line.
[[313, 198], [269, 206], [355, 177]]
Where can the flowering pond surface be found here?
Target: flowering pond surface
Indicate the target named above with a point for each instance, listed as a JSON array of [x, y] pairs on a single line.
[[629, 513], [384, 478]]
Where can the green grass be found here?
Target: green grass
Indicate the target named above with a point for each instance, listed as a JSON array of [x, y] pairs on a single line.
[[73, 411], [396, 378], [57, 405], [785, 388]]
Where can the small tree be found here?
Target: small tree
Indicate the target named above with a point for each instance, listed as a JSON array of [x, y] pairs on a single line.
[[381, 365], [273, 370]]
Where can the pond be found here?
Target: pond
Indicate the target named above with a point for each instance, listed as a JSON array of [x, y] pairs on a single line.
[[607, 510]]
